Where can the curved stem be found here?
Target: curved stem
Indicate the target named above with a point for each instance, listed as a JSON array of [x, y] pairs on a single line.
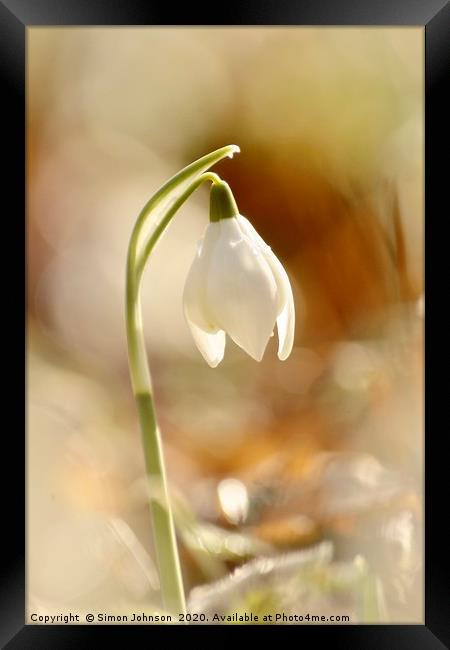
[[152, 240], [173, 193], [191, 171]]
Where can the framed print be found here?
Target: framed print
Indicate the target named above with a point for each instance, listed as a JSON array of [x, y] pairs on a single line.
[[225, 322]]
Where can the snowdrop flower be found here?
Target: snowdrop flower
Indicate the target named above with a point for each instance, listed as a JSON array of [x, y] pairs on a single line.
[[236, 286]]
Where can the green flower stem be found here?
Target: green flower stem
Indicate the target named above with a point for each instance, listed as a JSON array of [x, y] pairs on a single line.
[[152, 240], [162, 207]]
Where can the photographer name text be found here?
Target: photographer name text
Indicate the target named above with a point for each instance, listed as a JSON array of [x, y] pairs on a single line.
[[142, 617]]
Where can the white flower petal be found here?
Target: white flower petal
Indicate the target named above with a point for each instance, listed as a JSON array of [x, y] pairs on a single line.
[[207, 336], [286, 309], [194, 295], [286, 317], [211, 345], [251, 232], [241, 290], [286, 327]]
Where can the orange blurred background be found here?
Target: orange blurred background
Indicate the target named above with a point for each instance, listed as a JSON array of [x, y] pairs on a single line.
[[319, 454]]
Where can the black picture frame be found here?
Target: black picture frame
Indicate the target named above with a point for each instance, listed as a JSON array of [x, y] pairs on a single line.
[[15, 17]]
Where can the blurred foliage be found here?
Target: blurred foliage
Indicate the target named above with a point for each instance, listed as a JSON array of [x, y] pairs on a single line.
[[298, 485]]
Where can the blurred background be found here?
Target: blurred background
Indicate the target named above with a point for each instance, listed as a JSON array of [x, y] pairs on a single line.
[[297, 485]]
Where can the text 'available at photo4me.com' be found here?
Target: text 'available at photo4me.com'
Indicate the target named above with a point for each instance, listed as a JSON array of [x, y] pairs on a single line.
[[215, 618]]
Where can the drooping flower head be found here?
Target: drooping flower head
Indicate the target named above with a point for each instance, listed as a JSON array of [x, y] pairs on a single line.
[[236, 286]]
